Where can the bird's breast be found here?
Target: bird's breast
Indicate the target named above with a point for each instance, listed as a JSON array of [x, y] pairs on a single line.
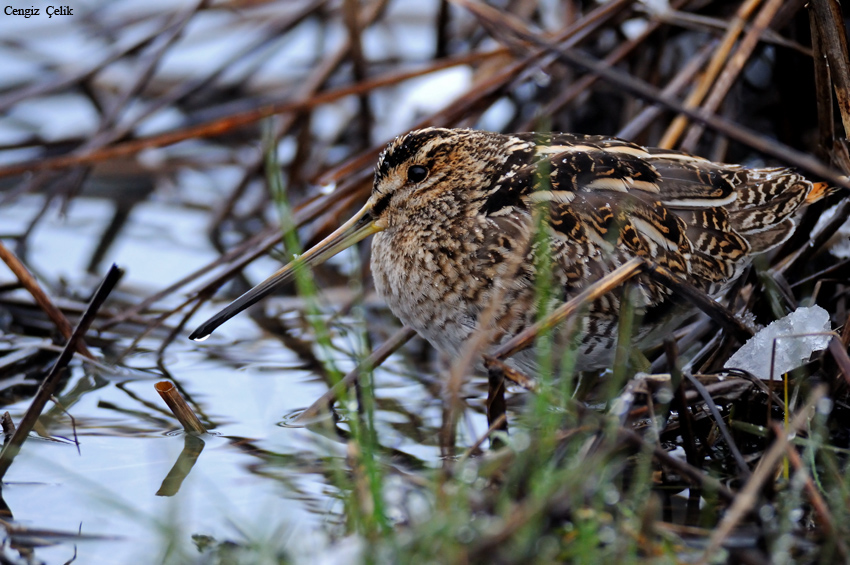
[[433, 279]]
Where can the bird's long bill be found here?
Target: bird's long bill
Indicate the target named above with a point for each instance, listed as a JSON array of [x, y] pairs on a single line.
[[352, 231]]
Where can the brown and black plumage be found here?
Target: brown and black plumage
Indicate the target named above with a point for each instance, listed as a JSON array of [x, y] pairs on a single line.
[[455, 214]]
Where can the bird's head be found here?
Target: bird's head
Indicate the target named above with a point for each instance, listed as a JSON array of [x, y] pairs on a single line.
[[427, 171], [434, 171]]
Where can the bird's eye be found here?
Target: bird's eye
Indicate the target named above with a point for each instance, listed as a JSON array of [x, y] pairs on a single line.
[[417, 173]]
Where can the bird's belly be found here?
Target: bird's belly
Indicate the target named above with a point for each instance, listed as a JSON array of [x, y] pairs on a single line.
[[445, 300], [426, 293]]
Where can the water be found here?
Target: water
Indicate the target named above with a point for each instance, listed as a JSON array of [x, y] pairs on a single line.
[[255, 481]]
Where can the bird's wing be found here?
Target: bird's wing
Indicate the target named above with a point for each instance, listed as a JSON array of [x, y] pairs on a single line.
[[609, 200]]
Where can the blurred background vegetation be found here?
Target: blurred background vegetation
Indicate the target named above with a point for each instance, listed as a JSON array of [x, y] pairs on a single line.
[[176, 138]]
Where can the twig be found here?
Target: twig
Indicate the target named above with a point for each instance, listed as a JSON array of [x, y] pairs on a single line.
[[697, 476], [491, 88], [513, 375], [51, 381], [679, 82], [794, 261], [743, 469], [497, 425], [34, 91], [830, 25], [221, 126], [604, 285], [747, 497], [41, 298], [730, 129], [583, 84], [733, 30], [8, 425], [839, 353], [376, 358], [496, 408], [686, 418], [712, 308], [818, 503], [733, 68]]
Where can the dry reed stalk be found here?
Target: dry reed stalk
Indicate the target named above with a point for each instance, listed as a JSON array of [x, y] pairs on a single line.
[[51, 381], [31, 285], [178, 406]]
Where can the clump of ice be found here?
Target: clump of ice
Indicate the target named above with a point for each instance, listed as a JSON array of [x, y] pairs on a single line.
[[791, 352]]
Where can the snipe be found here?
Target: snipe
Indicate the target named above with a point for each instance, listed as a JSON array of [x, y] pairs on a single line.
[[454, 213]]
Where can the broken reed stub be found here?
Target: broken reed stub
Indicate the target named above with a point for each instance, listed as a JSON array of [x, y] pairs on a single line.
[[179, 407]]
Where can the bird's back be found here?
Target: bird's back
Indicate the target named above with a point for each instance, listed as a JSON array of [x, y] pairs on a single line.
[[609, 200]]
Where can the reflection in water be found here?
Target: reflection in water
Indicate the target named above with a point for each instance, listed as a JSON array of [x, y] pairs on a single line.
[[5, 511], [192, 447]]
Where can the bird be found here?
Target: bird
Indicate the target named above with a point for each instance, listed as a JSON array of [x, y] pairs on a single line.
[[462, 219]]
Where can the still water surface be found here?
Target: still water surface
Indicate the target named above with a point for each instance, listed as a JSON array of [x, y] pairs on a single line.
[[254, 480]]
